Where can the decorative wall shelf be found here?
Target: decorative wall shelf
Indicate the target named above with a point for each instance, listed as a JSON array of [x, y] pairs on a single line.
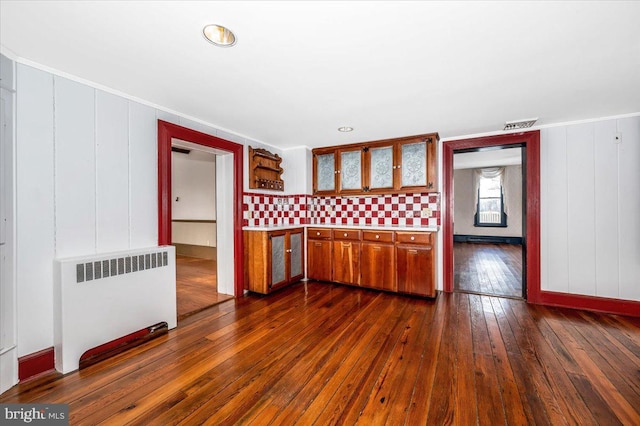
[[264, 170]]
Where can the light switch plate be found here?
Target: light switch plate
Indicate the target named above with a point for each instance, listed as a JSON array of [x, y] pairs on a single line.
[[426, 212]]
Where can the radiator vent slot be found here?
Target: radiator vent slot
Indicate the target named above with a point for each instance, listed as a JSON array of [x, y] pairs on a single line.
[[95, 270]]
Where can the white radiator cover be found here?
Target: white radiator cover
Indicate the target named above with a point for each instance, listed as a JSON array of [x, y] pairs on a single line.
[[103, 297]]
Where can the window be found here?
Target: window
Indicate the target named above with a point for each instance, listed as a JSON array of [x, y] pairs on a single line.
[[490, 203]]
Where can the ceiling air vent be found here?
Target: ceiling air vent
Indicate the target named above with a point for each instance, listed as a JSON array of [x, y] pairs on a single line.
[[519, 124]]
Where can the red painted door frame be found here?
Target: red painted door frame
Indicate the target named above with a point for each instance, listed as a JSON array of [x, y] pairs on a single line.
[[531, 141], [168, 131]]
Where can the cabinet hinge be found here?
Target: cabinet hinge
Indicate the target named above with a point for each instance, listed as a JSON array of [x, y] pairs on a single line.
[[365, 149], [365, 188], [430, 185], [270, 237], [429, 140]]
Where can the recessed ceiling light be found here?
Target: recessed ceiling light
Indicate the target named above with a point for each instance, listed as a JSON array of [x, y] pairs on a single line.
[[345, 129], [219, 35]]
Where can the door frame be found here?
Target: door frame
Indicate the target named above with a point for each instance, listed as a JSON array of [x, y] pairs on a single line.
[[531, 143], [168, 131]]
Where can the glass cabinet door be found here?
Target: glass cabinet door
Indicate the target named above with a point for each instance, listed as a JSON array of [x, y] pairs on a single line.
[[278, 270], [326, 172], [413, 164], [381, 168], [351, 170], [296, 254]]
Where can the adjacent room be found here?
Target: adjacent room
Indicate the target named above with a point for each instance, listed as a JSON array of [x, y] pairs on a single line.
[[488, 222]]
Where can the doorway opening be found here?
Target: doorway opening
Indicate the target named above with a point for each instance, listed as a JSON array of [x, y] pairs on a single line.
[[530, 143], [488, 224], [194, 226], [229, 267]]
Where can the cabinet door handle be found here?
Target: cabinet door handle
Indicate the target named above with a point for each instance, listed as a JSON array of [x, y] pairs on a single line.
[[413, 238], [317, 233], [377, 237], [345, 234], [289, 251]]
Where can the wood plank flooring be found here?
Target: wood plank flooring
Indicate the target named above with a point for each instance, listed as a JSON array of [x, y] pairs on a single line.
[[494, 269], [328, 354], [196, 285]]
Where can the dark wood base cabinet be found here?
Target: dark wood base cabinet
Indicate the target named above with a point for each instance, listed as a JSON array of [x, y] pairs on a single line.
[[273, 259], [319, 253], [395, 261]]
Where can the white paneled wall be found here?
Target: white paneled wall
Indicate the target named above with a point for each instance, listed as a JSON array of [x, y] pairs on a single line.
[[75, 168], [143, 176], [35, 242], [86, 184], [590, 209], [112, 172]]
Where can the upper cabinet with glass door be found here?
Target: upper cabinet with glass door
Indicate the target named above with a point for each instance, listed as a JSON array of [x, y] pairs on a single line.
[[381, 167], [325, 172]]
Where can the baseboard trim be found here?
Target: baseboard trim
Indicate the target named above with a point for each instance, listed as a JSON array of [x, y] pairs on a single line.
[[589, 303], [487, 239], [34, 364]]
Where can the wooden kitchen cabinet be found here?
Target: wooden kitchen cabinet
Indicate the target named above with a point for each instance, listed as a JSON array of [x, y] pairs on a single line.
[[395, 261], [325, 171], [398, 165], [415, 263], [273, 259], [319, 254], [377, 263], [346, 256]]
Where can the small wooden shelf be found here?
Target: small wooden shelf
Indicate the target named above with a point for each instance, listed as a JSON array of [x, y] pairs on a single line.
[[265, 169]]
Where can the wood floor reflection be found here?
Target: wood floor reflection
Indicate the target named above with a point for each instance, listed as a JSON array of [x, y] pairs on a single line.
[[327, 354], [494, 269], [196, 285]]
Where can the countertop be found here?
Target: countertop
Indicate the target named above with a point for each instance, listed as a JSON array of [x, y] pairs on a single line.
[[365, 227]]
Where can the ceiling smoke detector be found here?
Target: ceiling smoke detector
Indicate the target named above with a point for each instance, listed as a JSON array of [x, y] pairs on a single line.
[[519, 124]]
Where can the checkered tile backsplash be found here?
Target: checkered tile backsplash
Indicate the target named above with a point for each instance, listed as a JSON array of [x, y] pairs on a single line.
[[302, 209]]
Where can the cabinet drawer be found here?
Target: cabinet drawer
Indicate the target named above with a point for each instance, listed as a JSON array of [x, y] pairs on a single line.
[[380, 236], [346, 234], [415, 237], [319, 234]]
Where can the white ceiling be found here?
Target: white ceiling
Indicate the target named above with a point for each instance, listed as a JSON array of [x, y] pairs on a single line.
[[302, 69]]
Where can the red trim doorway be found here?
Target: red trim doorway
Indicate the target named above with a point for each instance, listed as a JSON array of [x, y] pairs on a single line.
[[167, 131], [531, 141]]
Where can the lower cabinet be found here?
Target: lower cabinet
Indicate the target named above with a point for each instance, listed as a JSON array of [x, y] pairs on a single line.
[[378, 261], [396, 261], [415, 260], [346, 257], [273, 259], [319, 254]]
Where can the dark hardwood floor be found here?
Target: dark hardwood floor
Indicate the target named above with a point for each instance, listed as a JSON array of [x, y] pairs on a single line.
[[327, 354], [196, 285], [494, 269]]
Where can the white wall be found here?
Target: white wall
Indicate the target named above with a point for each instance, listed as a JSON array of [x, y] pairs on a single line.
[[8, 330], [194, 182], [193, 192], [590, 209], [86, 183], [465, 208], [298, 173]]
